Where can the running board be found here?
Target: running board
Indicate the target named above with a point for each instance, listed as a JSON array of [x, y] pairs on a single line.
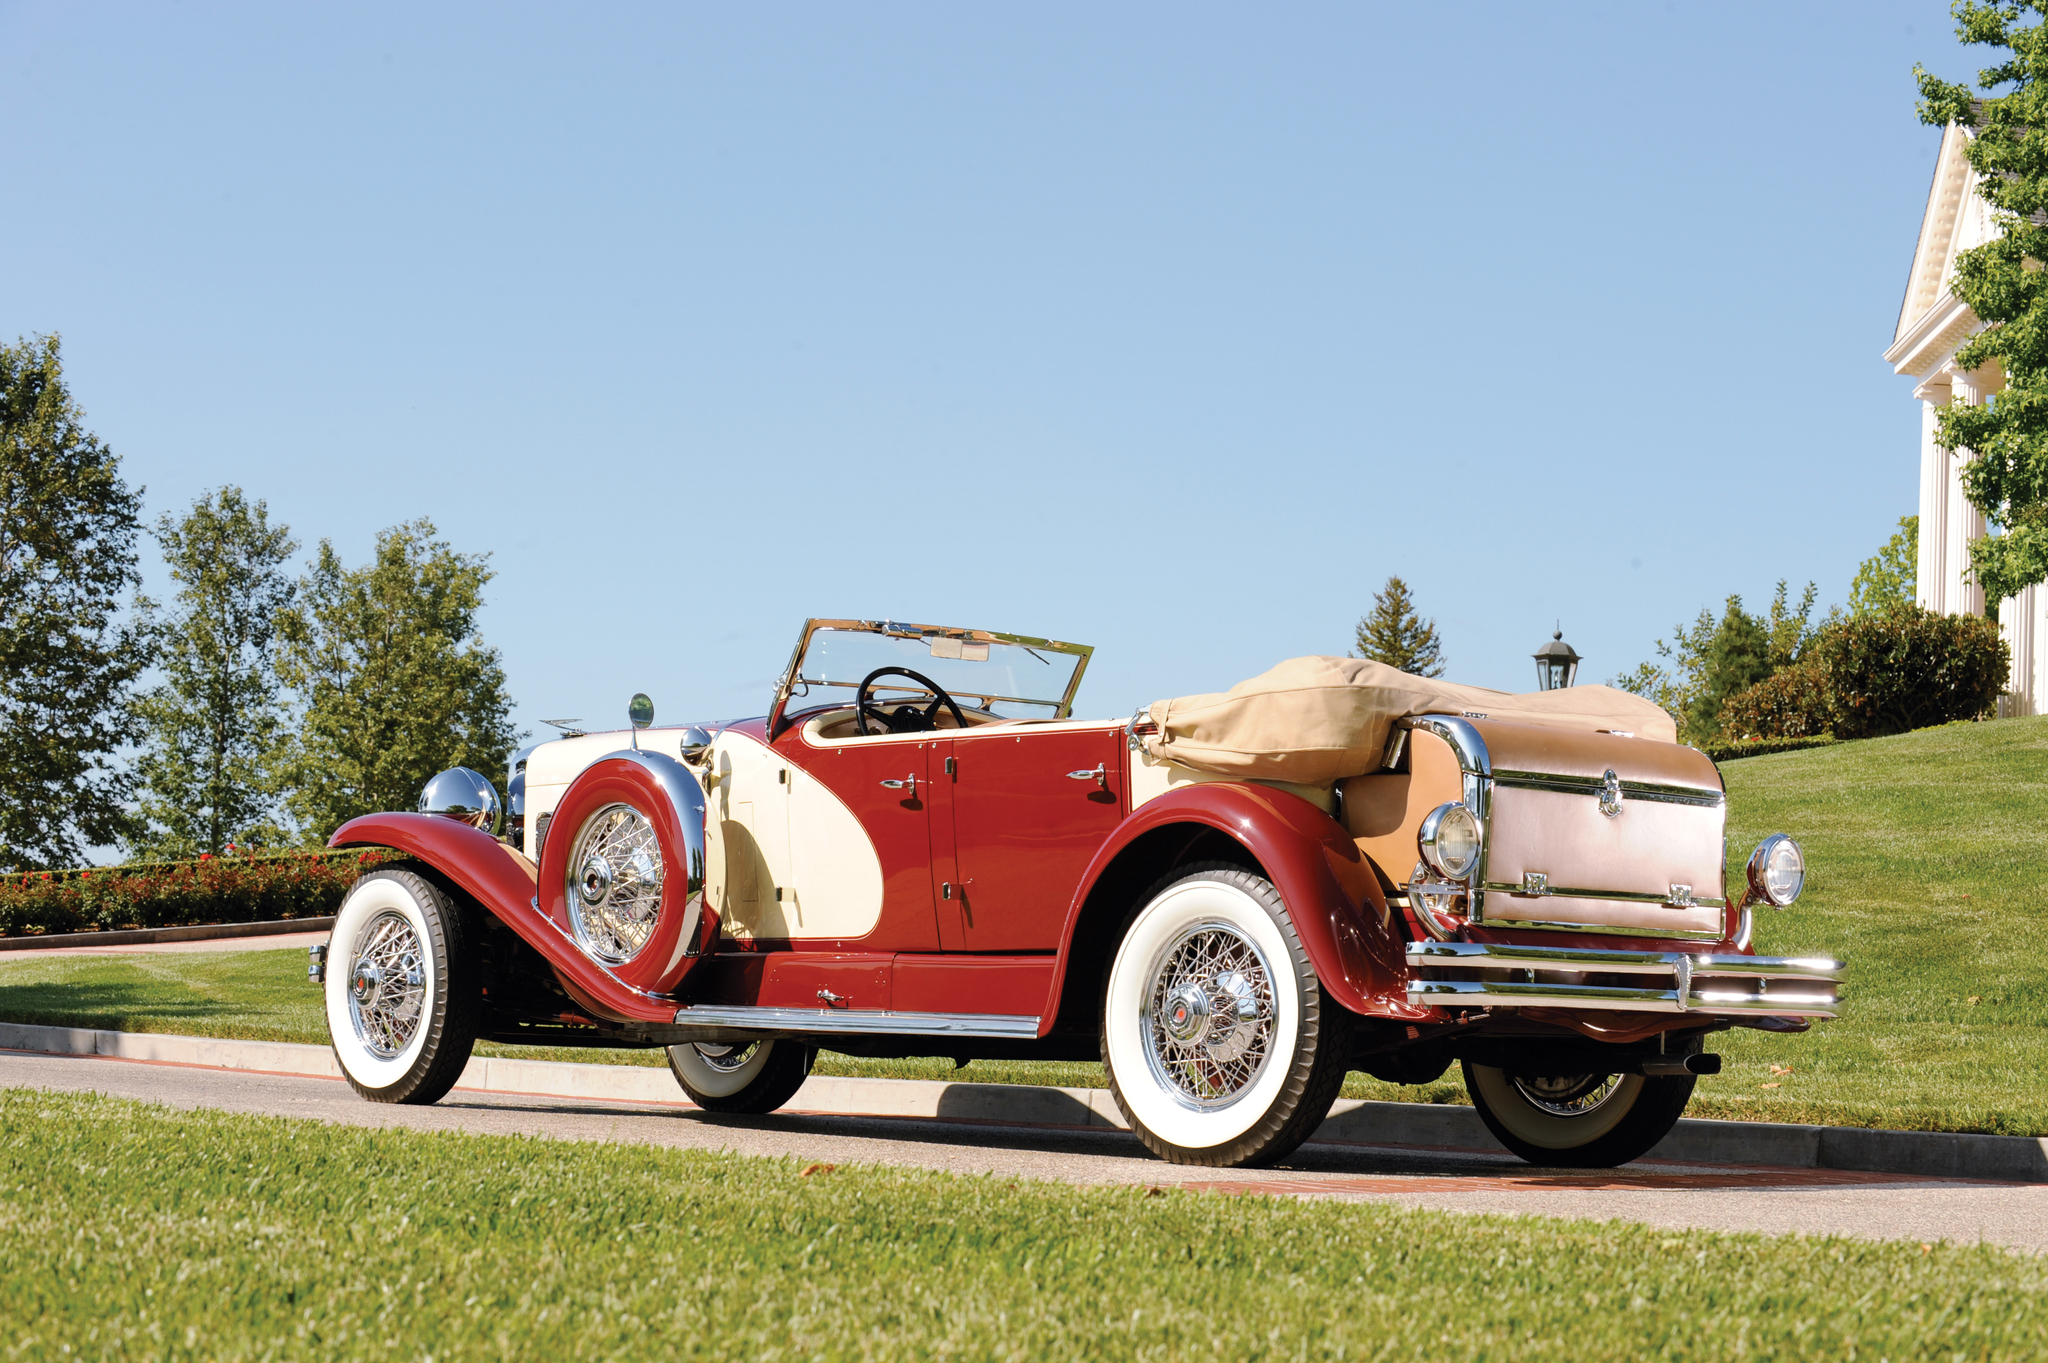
[[849, 1022]]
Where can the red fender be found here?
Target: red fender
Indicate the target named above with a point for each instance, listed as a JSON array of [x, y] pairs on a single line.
[[1330, 891], [487, 870]]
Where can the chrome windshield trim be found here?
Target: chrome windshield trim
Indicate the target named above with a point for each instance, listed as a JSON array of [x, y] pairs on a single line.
[[1620, 896], [792, 675], [1652, 791], [1464, 739], [845, 1021]]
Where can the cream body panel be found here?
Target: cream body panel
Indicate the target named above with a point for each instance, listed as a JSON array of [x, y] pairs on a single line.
[[784, 856], [1152, 778], [552, 766]]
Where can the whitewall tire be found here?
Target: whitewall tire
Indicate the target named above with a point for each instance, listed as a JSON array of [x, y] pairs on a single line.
[[403, 992], [1584, 1121], [1220, 1047], [742, 1076]]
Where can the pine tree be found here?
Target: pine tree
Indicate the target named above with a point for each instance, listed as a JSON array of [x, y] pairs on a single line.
[[1393, 634], [67, 656], [393, 682], [214, 724]]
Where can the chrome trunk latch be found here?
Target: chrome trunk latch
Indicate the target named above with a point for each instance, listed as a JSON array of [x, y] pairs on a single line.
[[830, 999], [1610, 795], [1680, 897], [1535, 882]]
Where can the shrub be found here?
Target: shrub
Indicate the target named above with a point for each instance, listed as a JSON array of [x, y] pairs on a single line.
[[1910, 668], [178, 893], [1792, 703]]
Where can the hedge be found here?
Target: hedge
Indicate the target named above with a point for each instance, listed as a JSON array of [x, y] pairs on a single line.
[[167, 894], [1728, 749]]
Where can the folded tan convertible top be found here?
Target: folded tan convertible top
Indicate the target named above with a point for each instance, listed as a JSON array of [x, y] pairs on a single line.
[[1315, 720]]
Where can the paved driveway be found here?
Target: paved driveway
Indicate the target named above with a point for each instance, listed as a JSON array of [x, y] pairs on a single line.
[[1815, 1202]]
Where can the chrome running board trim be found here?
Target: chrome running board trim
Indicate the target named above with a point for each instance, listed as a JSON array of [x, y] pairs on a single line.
[[1708, 984], [844, 1021]]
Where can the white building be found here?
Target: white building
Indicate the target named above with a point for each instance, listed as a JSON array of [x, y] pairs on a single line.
[[1933, 323]]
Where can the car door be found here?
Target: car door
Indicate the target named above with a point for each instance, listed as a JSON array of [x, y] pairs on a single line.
[[885, 782], [1024, 810]]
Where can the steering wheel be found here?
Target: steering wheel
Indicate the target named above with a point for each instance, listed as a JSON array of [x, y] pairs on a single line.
[[908, 719]]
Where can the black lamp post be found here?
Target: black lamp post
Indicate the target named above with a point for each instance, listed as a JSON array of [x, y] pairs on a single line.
[[1557, 665]]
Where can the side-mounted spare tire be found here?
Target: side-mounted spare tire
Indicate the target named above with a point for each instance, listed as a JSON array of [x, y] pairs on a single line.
[[622, 870]]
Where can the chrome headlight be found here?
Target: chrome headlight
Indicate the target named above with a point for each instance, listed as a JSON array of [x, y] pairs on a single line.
[[1777, 871], [1449, 841], [463, 795]]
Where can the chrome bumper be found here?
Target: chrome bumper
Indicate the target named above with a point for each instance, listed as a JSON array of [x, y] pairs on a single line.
[[1494, 975]]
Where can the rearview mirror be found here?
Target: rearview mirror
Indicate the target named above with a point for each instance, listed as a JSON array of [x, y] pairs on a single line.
[[641, 711]]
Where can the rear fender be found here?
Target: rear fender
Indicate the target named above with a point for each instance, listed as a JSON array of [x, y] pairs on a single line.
[[484, 868], [1331, 893]]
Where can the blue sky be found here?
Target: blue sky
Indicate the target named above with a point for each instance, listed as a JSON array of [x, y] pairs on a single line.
[[1173, 329]]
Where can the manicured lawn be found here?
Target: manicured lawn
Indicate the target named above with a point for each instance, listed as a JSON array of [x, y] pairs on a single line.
[[144, 1231], [1929, 856]]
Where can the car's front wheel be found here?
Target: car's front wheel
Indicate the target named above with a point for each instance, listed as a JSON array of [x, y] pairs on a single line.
[[1220, 1046], [741, 1077], [1577, 1121], [404, 995]]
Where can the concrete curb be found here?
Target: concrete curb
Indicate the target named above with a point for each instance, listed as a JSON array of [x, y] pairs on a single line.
[[1351, 1121], [197, 932]]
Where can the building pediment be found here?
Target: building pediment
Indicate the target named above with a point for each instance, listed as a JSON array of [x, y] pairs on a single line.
[[1932, 321]]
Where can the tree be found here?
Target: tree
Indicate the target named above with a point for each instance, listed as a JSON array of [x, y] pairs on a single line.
[[213, 726], [1393, 634], [67, 657], [1717, 659], [2003, 283], [1887, 579], [393, 682]]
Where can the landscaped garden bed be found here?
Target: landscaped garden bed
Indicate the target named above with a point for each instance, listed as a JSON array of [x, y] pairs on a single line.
[[166, 894]]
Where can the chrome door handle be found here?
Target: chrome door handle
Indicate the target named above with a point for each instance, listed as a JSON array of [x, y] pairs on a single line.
[[908, 783], [1098, 775]]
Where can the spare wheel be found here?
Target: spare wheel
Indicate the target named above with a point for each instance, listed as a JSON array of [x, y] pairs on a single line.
[[622, 871]]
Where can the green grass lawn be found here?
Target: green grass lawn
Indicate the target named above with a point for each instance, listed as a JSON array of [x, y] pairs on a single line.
[[1929, 875], [135, 1230]]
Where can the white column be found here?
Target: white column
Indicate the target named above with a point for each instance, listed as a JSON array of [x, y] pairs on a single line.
[[1964, 522], [2018, 622], [1931, 570]]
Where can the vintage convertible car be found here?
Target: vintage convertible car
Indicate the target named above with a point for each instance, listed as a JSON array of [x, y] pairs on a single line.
[[1231, 900]]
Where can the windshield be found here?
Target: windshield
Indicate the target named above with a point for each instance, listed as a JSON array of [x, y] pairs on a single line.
[[1005, 674]]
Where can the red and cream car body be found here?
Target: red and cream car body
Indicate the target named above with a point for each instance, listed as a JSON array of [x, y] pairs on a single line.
[[918, 851]]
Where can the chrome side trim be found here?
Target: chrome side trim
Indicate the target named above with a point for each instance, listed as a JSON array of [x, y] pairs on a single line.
[[1712, 984], [1625, 896], [1603, 929], [842, 1021], [1597, 786]]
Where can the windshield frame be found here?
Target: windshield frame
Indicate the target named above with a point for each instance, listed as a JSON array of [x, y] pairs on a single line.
[[902, 630]]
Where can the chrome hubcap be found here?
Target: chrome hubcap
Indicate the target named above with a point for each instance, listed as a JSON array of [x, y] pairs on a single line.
[[1567, 1095], [387, 985], [727, 1057], [615, 883], [1209, 1016]]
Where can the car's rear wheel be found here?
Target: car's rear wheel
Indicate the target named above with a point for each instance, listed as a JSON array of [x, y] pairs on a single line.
[[1577, 1121], [741, 1077], [1220, 1046], [404, 992]]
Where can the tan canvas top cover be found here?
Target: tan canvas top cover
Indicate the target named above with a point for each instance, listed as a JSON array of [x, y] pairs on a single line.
[[1316, 720]]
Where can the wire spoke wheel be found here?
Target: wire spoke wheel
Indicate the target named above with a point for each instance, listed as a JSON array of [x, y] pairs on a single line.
[[1209, 1015], [614, 890], [386, 984], [1572, 1095]]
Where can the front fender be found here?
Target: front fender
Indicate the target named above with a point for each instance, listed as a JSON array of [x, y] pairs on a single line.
[[488, 871], [1330, 891]]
